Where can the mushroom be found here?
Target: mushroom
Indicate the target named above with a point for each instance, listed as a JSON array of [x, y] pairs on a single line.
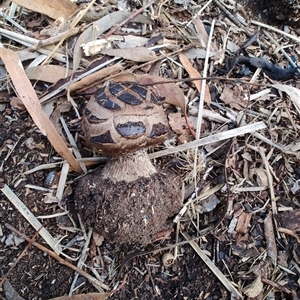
[[129, 200]]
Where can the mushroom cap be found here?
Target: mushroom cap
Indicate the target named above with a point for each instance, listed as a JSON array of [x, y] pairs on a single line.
[[123, 117]]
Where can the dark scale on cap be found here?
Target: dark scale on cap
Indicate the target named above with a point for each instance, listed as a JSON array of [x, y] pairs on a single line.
[[142, 91], [109, 104], [99, 93], [95, 120], [154, 99], [104, 101], [115, 88], [104, 138], [131, 129], [87, 112], [129, 98], [158, 130]]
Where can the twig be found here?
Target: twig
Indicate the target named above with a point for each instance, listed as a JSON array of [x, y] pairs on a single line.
[[261, 151], [62, 181], [29, 42], [81, 260], [231, 17], [203, 82], [9, 153], [194, 195], [151, 278], [281, 49], [134, 14], [60, 260], [213, 268], [199, 12], [202, 97], [20, 256], [9, 19], [71, 139], [292, 37]]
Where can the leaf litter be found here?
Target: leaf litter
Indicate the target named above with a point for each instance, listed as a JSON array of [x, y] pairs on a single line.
[[245, 129]]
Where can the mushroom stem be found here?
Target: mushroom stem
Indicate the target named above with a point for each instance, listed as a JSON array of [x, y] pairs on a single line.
[[129, 167]]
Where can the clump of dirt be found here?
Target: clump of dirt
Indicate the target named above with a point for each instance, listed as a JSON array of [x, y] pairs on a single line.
[[129, 212]]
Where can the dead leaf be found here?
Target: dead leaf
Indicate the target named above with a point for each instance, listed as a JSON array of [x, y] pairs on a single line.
[[34, 22], [95, 47], [138, 54], [289, 232], [201, 31], [49, 198], [193, 53], [98, 239], [195, 74], [178, 125], [54, 8], [26, 92], [90, 296], [91, 79], [208, 114], [290, 219], [48, 73], [210, 203], [60, 25], [293, 92], [233, 97], [261, 176], [17, 103], [296, 187], [99, 27], [31, 144]]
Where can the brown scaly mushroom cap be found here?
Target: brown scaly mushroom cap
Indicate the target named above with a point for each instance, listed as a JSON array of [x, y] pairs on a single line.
[[124, 117]]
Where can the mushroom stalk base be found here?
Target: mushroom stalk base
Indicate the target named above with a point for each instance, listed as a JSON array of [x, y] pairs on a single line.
[[129, 167]]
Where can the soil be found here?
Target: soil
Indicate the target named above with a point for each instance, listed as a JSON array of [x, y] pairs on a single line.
[[36, 276], [242, 255], [275, 12]]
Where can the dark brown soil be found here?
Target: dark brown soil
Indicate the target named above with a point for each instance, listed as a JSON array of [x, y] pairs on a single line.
[[280, 12], [241, 255], [36, 275]]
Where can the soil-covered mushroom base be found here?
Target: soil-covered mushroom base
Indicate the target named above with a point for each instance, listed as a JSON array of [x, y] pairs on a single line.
[[129, 212]]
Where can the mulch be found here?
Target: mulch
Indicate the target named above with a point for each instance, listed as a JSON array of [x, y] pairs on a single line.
[[234, 142]]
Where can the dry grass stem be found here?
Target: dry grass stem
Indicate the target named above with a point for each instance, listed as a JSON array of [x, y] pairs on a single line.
[[229, 286], [211, 139], [11, 196], [283, 33]]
